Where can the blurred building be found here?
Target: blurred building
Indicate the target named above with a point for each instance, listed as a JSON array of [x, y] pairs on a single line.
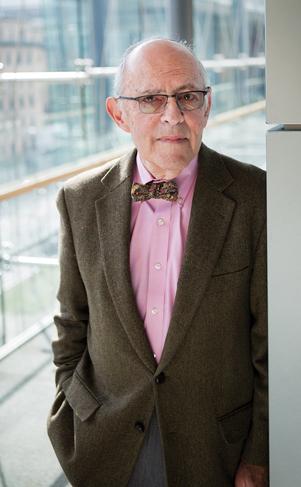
[[22, 111]]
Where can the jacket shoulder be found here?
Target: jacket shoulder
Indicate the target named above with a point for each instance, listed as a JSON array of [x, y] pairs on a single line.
[[85, 188], [247, 175], [89, 179], [249, 181]]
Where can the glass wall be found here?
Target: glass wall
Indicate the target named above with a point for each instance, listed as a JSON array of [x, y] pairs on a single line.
[[29, 271], [231, 29], [44, 125], [50, 125]]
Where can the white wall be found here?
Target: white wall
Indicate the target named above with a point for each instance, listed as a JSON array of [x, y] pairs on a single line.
[[283, 67], [284, 277]]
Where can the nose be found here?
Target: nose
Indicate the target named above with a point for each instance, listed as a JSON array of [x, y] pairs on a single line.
[[172, 114]]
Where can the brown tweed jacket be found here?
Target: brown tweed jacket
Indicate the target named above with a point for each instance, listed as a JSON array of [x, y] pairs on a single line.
[[210, 388]]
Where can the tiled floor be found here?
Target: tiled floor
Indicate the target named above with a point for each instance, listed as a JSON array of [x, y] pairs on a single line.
[[27, 390]]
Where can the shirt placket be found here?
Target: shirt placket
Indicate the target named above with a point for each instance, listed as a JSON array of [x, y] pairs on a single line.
[[154, 321]]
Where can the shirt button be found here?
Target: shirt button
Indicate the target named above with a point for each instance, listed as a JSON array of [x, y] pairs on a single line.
[[161, 222], [155, 311], [157, 266]]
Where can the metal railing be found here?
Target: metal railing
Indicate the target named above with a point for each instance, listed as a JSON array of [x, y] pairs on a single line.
[[68, 170], [55, 175], [87, 72], [50, 176]]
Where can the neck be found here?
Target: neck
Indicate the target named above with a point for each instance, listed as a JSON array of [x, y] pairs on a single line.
[[162, 173]]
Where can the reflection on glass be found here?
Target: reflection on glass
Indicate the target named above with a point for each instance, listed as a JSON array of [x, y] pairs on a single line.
[[28, 249], [46, 125]]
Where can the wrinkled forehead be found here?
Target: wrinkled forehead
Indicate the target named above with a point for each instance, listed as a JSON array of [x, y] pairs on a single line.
[[158, 68]]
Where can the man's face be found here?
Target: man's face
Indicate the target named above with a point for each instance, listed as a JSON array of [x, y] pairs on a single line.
[[167, 140]]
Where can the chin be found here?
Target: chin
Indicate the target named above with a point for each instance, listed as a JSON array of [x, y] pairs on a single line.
[[176, 158]]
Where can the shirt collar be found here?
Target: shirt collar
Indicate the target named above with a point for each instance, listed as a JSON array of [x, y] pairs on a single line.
[[184, 180]]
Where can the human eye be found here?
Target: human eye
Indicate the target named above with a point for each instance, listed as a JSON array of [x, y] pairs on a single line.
[[151, 103], [187, 96], [150, 99], [189, 100]]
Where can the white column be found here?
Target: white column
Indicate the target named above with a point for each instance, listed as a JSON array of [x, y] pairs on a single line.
[[284, 278], [283, 38]]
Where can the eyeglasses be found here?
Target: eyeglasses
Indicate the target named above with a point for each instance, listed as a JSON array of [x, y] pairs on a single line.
[[156, 103]]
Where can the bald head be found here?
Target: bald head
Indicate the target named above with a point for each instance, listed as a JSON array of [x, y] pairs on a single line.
[[167, 139], [151, 52]]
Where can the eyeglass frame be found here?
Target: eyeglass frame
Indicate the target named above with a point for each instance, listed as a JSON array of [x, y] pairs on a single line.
[[175, 95]]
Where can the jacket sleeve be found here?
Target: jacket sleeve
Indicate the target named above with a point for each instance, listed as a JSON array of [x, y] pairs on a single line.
[[72, 320], [256, 447]]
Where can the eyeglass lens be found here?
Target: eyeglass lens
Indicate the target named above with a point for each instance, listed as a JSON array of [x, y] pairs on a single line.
[[185, 101]]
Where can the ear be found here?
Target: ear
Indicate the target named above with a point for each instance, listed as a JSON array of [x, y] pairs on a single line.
[[117, 114]]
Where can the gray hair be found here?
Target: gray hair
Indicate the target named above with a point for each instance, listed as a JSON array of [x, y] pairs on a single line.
[[121, 69]]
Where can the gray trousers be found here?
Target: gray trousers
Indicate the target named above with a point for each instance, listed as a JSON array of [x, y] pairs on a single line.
[[149, 470]]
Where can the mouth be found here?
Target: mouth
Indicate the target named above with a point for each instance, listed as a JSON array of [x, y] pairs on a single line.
[[173, 139]]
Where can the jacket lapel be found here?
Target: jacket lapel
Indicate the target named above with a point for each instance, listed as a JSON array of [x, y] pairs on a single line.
[[113, 219], [211, 215]]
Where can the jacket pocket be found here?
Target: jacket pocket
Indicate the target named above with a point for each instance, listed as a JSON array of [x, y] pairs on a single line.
[[224, 271], [83, 402], [235, 425], [229, 282]]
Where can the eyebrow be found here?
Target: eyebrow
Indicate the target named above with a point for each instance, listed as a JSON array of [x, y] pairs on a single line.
[[185, 87]]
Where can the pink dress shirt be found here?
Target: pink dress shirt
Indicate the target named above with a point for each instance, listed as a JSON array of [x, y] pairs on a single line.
[[158, 236]]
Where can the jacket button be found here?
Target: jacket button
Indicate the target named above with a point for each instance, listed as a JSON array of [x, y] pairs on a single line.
[[139, 426], [160, 378]]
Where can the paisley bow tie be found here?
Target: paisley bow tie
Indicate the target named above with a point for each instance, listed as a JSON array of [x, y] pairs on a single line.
[[166, 190]]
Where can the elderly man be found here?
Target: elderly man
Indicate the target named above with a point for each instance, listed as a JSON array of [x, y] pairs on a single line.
[[162, 347]]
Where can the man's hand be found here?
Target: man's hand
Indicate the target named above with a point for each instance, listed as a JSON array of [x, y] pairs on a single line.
[[251, 476]]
